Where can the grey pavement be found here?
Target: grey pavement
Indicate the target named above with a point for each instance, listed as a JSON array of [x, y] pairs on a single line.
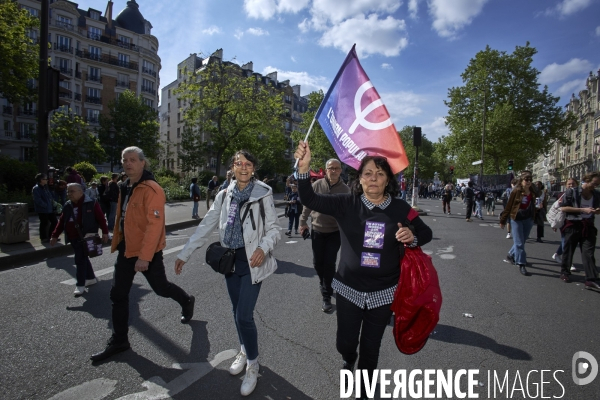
[[177, 216]]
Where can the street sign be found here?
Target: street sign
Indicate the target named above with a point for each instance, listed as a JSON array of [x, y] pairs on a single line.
[[477, 162]]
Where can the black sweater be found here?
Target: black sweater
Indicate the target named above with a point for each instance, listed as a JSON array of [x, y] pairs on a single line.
[[352, 216]]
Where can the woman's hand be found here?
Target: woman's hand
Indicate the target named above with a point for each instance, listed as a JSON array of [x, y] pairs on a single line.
[[257, 258], [501, 226], [302, 154], [404, 234], [178, 266]]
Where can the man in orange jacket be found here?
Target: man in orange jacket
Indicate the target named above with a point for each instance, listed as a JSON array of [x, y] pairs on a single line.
[[139, 237]]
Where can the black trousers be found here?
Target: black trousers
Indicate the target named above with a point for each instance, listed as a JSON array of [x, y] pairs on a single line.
[[325, 247], [48, 222], [121, 285], [573, 238], [470, 204], [360, 328]]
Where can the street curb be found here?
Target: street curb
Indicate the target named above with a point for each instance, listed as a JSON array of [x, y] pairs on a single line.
[[18, 260]]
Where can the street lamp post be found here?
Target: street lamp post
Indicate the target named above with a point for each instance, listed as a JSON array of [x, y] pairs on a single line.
[[482, 135]]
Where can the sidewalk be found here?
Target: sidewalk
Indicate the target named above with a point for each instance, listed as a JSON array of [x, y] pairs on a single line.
[[178, 215]]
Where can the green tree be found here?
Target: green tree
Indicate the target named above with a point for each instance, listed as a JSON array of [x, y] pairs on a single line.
[[129, 122], [86, 169], [429, 163], [227, 111], [522, 120], [320, 146], [71, 141], [18, 52]]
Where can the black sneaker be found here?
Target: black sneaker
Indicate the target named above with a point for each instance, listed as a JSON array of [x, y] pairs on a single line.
[[187, 312], [510, 259], [112, 347], [327, 307]]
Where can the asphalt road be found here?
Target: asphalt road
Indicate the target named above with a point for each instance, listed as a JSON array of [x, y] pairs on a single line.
[[520, 324]]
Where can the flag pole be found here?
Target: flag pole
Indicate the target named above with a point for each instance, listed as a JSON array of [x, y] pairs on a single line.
[[305, 139]]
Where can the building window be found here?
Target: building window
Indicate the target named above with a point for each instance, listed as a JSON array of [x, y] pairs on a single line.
[[147, 86], [178, 133], [123, 80], [213, 162], [94, 33], [27, 130], [92, 116], [168, 107], [94, 15], [124, 41], [123, 60], [149, 103], [63, 43], [95, 52], [93, 96], [148, 68], [65, 66], [168, 135], [64, 22], [32, 11], [169, 93], [94, 74]]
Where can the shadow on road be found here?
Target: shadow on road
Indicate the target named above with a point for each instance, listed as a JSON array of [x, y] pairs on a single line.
[[284, 267], [451, 334]]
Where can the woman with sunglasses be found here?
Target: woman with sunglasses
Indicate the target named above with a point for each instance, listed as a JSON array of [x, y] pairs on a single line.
[[520, 212], [247, 221], [374, 231]]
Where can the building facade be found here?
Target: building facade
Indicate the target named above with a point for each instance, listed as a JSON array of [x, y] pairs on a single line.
[[98, 57], [583, 154], [171, 109]]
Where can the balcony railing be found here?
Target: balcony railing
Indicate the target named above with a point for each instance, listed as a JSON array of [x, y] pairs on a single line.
[[107, 59], [7, 110], [93, 100], [8, 134], [122, 84], [77, 96], [148, 90], [63, 48], [93, 78], [94, 36], [148, 71], [66, 71]]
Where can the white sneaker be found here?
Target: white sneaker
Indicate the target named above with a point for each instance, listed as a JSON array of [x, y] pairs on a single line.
[[573, 268], [250, 379], [557, 258], [90, 282], [238, 364], [508, 236], [79, 290]]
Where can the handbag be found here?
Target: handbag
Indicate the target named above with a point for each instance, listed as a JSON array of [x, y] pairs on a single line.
[[417, 300], [196, 198], [555, 216], [92, 246], [221, 259]]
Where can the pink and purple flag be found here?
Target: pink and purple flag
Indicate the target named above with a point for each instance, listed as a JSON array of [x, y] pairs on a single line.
[[356, 121]]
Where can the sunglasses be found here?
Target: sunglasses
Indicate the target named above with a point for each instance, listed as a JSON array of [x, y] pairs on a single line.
[[527, 179]]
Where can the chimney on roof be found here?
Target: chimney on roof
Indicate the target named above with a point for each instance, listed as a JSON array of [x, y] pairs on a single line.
[[296, 89], [108, 13], [249, 66], [273, 76]]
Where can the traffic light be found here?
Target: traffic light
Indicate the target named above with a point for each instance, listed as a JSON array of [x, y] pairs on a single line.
[[451, 169], [510, 165]]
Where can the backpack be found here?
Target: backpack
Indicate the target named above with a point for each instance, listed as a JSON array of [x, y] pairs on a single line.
[[555, 216]]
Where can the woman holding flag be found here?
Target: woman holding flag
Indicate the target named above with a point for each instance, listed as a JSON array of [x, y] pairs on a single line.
[[372, 222]]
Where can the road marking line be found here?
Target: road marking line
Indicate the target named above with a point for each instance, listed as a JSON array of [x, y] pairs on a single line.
[[96, 389], [109, 270], [292, 241]]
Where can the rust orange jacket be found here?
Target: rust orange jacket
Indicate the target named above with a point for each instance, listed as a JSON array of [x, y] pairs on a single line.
[[145, 233]]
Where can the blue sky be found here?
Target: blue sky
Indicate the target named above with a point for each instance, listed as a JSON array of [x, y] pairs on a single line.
[[413, 50]]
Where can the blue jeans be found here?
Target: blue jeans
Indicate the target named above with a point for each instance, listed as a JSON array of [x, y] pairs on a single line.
[[479, 208], [520, 232], [294, 218], [113, 215], [561, 246], [243, 295], [84, 266], [195, 209]]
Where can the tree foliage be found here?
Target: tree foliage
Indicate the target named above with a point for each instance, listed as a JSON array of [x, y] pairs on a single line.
[[227, 112], [18, 52], [130, 122], [86, 169], [522, 120], [71, 141], [429, 160], [320, 146]]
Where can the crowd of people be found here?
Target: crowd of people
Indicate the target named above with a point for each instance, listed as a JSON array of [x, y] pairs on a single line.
[[367, 219]]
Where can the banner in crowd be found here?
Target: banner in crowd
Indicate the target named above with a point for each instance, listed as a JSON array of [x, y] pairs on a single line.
[[356, 121]]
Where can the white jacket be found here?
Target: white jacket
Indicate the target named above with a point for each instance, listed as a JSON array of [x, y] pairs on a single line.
[[264, 236]]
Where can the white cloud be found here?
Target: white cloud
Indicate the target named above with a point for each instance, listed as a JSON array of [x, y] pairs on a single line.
[[402, 106], [293, 59], [238, 34], [371, 35], [386, 66], [568, 7], [557, 72], [598, 31], [260, 9], [450, 16], [266, 9], [570, 87], [436, 129], [308, 83], [257, 32], [305, 25], [413, 8], [211, 30], [336, 11]]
